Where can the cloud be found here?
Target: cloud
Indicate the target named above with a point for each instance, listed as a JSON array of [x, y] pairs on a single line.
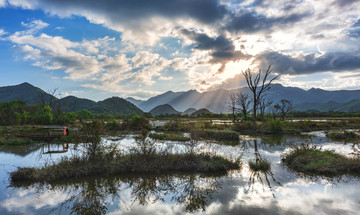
[[142, 22], [308, 63], [2, 32], [221, 49], [2, 3]]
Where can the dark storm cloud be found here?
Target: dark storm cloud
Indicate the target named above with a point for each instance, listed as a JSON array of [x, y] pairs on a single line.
[[251, 22], [309, 63], [222, 49], [206, 11]]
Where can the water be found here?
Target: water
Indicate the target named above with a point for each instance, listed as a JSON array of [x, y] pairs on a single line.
[[278, 191]]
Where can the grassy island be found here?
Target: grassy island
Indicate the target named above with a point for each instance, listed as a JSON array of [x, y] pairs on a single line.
[[70, 168], [314, 161]]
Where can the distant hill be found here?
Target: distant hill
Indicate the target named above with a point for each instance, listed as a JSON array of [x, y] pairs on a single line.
[[189, 111], [25, 91], [114, 105], [74, 104], [201, 112], [163, 109]]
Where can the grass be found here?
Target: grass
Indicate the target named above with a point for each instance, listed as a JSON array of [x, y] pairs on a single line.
[[218, 134], [312, 160], [75, 168], [342, 135], [169, 136], [15, 141], [261, 165]]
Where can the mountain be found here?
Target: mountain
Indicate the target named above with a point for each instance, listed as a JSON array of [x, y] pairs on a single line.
[[25, 91], [163, 109], [165, 98], [114, 105], [74, 104], [216, 100], [34, 95], [189, 111], [351, 106], [201, 112], [134, 101]]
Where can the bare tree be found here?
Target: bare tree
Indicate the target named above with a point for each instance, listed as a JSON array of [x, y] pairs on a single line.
[[52, 97], [244, 102], [284, 107], [232, 105], [256, 87], [263, 105]]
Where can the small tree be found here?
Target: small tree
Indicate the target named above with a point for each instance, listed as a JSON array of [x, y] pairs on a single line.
[[284, 107], [244, 102], [257, 88]]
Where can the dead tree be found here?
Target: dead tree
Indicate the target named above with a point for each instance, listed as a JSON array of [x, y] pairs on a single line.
[[244, 102], [256, 87], [263, 105], [232, 106]]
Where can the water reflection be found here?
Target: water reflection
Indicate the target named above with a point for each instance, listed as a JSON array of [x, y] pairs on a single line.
[[260, 176], [242, 192], [96, 195]]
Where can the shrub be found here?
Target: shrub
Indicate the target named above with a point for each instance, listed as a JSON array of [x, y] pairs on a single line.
[[275, 125], [137, 122]]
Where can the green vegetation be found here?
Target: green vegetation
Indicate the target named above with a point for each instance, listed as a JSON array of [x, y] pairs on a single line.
[[275, 125], [169, 136], [312, 160], [133, 163], [15, 141], [342, 135], [261, 165]]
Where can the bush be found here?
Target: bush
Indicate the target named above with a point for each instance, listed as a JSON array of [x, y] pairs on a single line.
[[275, 125], [136, 122]]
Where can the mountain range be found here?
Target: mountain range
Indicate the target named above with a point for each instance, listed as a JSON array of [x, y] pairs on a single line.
[[34, 95], [215, 101]]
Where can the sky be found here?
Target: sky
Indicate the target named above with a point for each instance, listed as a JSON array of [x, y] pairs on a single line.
[[141, 48]]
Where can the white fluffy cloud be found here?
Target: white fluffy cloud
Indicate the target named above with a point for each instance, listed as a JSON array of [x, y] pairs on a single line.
[[220, 38]]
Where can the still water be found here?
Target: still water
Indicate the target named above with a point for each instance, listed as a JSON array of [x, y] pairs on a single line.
[[278, 191]]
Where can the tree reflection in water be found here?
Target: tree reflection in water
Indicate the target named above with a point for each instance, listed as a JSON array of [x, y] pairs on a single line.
[[95, 195], [258, 176]]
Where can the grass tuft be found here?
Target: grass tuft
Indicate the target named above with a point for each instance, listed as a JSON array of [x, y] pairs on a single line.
[[312, 160], [262, 165]]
